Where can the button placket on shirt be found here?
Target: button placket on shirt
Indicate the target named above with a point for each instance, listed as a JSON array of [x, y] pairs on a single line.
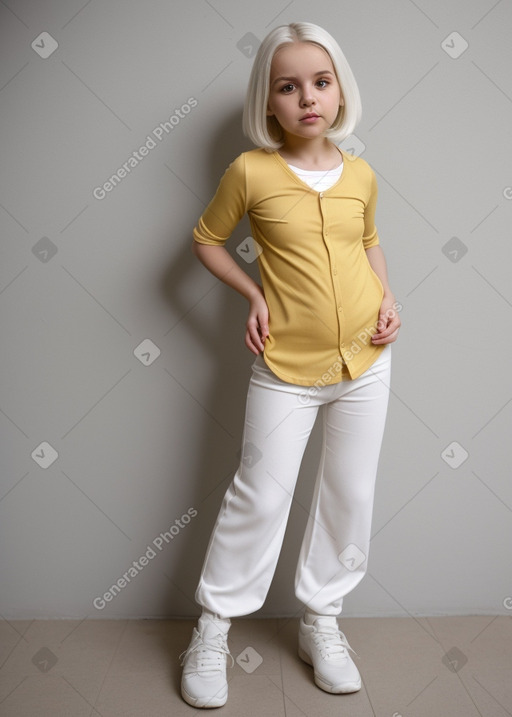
[[334, 271]]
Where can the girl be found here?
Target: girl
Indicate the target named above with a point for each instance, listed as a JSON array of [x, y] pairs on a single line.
[[321, 326]]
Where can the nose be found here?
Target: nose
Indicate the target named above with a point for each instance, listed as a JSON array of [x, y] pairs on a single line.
[[307, 97]]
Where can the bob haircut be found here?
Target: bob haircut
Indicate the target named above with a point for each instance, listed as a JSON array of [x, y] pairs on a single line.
[[265, 131]]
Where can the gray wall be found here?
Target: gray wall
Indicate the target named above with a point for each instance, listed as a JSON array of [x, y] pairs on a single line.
[[123, 359]]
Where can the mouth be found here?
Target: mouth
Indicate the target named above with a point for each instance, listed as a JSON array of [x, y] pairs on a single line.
[[311, 117]]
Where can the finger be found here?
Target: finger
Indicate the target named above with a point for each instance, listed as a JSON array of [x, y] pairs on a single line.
[[390, 334], [250, 345], [386, 332], [258, 326], [388, 326], [387, 317], [382, 322], [386, 340], [264, 331], [263, 325], [254, 335]]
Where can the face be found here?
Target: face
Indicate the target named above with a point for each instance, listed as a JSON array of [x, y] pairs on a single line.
[[304, 95]]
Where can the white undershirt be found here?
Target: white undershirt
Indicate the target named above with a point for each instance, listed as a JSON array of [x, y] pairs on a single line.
[[319, 179]]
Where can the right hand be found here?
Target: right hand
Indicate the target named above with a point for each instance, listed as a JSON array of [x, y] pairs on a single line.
[[257, 323]]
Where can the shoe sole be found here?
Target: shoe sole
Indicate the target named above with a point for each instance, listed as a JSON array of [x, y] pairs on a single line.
[[332, 689], [210, 704]]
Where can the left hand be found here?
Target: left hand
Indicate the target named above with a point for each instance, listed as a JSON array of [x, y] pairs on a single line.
[[388, 322]]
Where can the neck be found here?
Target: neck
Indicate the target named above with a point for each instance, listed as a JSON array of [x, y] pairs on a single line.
[[311, 153]]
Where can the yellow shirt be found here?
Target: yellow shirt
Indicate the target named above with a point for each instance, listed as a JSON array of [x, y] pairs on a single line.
[[322, 294]]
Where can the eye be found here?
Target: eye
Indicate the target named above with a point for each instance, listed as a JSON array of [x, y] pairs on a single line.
[[323, 83], [287, 88]]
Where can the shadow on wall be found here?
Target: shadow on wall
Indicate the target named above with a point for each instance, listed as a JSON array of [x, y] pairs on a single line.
[[222, 342]]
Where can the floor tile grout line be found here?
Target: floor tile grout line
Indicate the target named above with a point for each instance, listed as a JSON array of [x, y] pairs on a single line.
[[457, 672], [484, 628], [14, 689], [114, 655], [423, 690], [94, 710], [491, 695]]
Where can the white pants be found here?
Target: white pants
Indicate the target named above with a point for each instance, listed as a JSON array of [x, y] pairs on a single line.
[[246, 540]]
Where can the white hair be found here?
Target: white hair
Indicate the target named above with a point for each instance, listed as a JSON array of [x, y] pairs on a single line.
[[265, 131]]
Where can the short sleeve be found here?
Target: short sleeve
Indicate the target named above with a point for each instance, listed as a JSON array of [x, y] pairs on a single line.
[[226, 208], [370, 236]]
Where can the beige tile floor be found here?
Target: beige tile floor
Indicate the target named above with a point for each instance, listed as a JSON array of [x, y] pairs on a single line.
[[411, 667]]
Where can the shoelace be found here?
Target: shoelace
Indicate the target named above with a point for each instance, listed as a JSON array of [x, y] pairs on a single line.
[[216, 648], [331, 642]]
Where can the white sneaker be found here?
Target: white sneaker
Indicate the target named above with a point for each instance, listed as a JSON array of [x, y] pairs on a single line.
[[203, 682], [323, 646]]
